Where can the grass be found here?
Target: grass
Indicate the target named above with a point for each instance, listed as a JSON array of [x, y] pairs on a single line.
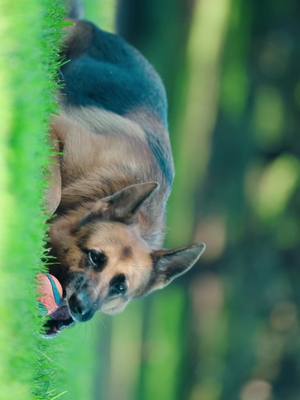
[[29, 34]]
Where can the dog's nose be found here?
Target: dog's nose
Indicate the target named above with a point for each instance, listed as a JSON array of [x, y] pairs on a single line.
[[81, 306]]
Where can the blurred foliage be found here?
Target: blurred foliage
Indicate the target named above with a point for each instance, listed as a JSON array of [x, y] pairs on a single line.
[[230, 328], [101, 12]]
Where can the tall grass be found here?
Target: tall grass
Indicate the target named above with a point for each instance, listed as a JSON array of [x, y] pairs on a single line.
[[29, 36]]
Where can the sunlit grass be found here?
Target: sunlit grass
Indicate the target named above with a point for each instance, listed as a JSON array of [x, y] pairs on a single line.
[[29, 33]]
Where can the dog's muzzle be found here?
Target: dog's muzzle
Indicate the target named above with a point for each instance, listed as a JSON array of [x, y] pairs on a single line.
[[81, 307], [81, 304]]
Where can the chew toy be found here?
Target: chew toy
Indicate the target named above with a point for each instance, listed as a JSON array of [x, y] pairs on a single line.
[[50, 292]]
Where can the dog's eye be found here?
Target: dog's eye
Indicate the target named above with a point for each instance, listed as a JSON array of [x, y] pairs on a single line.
[[118, 285], [97, 259]]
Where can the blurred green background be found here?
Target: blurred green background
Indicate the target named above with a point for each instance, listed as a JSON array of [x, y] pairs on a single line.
[[230, 328]]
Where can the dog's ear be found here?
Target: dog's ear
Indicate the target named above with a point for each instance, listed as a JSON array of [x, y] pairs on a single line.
[[53, 194], [124, 205], [170, 264]]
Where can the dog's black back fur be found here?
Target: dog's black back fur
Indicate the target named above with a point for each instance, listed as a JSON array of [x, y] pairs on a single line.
[[104, 71], [113, 75]]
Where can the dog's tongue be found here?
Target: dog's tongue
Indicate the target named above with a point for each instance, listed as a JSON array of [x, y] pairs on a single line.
[[59, 320], [61, 314]]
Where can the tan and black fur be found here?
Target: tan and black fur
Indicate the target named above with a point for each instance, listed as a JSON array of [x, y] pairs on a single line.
[[111, 184]]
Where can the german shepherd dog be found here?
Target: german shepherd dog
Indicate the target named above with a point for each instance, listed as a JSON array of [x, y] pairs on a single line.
[[111, 181]]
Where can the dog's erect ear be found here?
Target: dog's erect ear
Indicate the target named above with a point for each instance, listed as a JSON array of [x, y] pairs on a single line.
[[170, 264], [123, 205], [53, 194]]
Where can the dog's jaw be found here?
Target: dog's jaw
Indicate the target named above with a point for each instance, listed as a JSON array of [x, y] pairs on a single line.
[[53, 327], [61, 318]]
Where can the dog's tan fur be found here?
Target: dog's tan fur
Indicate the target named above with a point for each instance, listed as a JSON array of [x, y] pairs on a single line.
[[98, 163]]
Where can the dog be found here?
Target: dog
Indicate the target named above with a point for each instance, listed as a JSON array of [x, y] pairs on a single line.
[[111, 181]]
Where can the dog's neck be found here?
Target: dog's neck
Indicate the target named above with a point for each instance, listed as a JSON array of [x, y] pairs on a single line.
[[96, 165]]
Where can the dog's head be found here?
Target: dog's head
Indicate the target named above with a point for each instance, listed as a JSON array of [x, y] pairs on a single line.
[[103, 261]]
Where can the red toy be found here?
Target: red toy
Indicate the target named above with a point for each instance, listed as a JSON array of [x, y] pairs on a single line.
[[51, 294]]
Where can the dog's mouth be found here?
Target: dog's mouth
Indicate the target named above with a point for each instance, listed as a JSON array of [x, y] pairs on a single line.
[[59, 320]]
